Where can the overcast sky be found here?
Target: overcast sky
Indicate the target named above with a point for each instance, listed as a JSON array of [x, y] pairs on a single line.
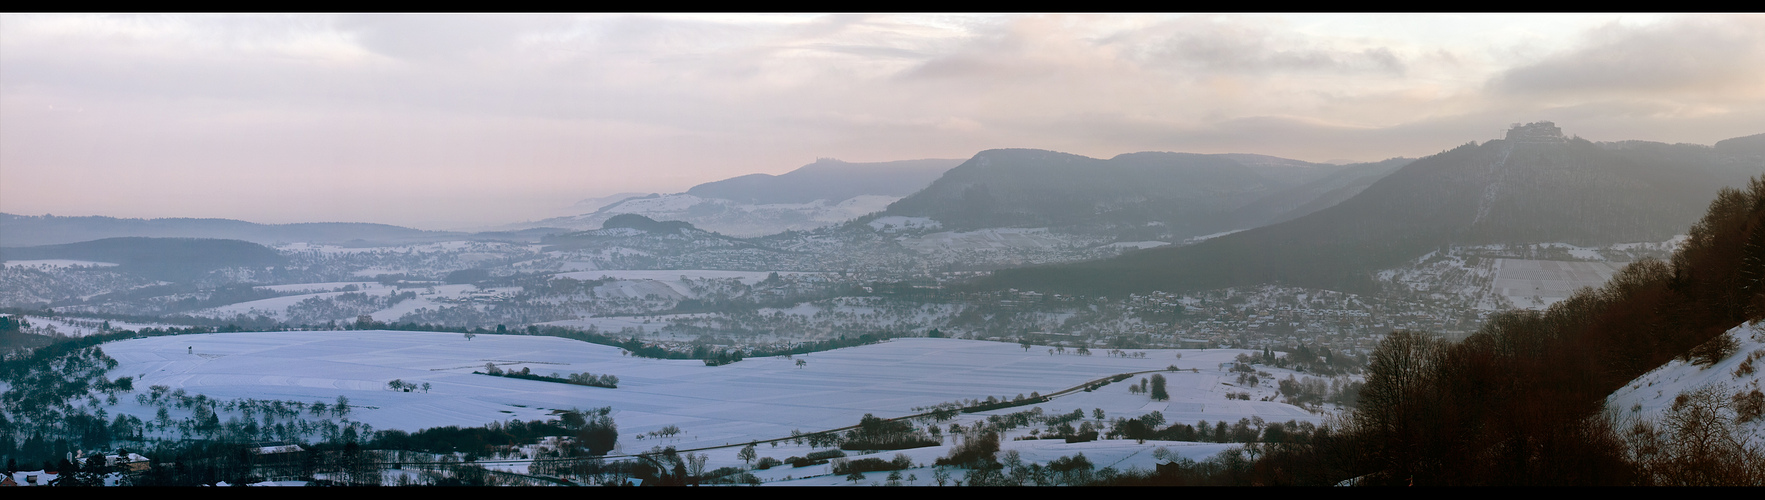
[[447, 121]]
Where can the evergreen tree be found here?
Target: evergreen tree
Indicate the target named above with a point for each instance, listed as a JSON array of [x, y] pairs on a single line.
[[1158, 390]]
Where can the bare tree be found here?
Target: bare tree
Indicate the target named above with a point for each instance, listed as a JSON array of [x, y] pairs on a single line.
[[696, 465], [1400, 377], [747, 454]]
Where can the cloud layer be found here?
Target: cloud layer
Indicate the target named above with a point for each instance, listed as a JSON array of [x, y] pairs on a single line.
[[455, 120]]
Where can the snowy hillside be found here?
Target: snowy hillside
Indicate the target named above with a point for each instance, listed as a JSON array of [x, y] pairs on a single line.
[[1735, 379]]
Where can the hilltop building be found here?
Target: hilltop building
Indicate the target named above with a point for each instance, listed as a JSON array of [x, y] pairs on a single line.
[[1536, 133]]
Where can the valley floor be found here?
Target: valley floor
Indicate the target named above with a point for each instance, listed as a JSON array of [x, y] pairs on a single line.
[[718, 408]]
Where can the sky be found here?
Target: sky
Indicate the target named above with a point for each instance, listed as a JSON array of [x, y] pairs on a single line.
[[442, 121]]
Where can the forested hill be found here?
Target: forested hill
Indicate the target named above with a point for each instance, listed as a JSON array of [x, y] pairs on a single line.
[[828, 179], [646, 224], [637, 231], [1185, 194], [160, 258], [24, 230], [1752, 145], [1533, 186]]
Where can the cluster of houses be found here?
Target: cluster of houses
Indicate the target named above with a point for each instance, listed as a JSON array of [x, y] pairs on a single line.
[[275, 463], [120, 461]]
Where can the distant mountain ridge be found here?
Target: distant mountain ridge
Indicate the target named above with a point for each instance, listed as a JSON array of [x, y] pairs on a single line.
[[26, 230], [727, 217], [813, 196], [1535, 185], [160, 258], [1749, 145], [643, 240], [1180, 194], [828, 179], [646, 224]]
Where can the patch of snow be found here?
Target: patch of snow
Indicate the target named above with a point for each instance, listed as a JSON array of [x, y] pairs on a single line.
[[746, 277], [56, 263], [317, 287], [1536, 284], [895, 223], [1198, 239], [1137, 245]]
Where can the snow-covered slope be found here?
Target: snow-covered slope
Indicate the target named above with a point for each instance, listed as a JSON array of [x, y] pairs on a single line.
[[1650, 396]]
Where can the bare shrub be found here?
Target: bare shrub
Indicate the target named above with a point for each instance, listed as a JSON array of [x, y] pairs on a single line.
[[1748, 406], [1714, 351], [1698, 443], [1746, 367]]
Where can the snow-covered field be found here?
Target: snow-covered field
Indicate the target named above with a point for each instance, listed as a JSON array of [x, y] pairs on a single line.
[[755, 399], [274, 307], [317, 287], [74, 327], [56, 263], [277, 307], [747, 277], [1206, 237], [894, 223], [666, 284], [1536, 284], [1121, 454], [1136, 245], [616, 323], [1006, 238]]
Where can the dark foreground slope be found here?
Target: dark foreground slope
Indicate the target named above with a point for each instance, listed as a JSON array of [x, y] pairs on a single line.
[[1533, 186], [1522, 401]]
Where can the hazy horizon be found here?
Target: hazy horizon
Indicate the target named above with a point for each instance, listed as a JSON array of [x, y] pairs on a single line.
[[454, 121]]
